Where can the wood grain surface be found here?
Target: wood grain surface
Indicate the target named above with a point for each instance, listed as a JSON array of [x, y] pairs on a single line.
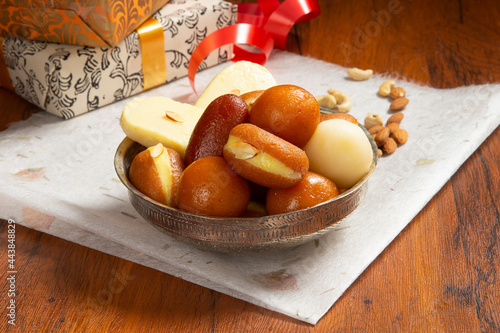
[[440, 274]]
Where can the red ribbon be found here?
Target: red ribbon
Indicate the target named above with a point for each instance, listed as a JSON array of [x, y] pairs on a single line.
[[263, 25]]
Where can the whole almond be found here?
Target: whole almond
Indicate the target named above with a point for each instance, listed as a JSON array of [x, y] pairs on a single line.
[[399, 104], [375, 129], [392, 127], [379, 153], [389, 146], [395, 118], [400, 136], [397, 92], [382, 136]]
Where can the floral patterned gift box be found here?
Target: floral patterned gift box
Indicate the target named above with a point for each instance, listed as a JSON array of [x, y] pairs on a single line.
[[91, 22], [69, 80]]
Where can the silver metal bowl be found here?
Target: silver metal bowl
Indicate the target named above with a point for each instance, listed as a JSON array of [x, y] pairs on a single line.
[[245, 233]]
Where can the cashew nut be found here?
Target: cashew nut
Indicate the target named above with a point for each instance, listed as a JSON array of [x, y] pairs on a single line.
[[344, 102], [373, 119], [327, 101], [386, 87], [359, 74]]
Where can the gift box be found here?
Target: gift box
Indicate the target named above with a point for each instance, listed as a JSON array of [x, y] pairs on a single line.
[[68, 80], [91, 22]]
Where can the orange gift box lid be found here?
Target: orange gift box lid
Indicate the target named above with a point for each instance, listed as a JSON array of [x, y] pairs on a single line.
[[81, 22]]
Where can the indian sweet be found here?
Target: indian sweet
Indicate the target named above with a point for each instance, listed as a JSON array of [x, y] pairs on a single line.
[[264, 158], [212, 129], [156, 172], [153, 120], [312, 190], [288, 111], [340, 151], [209, 186]]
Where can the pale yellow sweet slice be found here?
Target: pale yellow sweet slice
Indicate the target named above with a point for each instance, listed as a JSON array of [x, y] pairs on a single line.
[[153, 120], [238, 78]]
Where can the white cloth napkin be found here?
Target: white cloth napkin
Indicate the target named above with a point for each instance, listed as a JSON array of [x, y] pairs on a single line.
[[58, 177]]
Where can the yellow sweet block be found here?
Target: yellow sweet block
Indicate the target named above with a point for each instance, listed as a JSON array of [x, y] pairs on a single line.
[[153, 120], [238, 78]]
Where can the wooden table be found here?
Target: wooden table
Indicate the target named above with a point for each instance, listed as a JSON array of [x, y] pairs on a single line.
[[442, 272]]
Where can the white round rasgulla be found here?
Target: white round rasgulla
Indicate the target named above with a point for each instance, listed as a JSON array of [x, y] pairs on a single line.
[[339, 150]]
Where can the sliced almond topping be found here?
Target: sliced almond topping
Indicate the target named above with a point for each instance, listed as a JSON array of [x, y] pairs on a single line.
[[243, 150], [175, 117], [235, 92], [156, 150]]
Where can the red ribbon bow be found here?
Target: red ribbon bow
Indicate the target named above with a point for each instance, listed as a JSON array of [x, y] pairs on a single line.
[[263, 25]]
